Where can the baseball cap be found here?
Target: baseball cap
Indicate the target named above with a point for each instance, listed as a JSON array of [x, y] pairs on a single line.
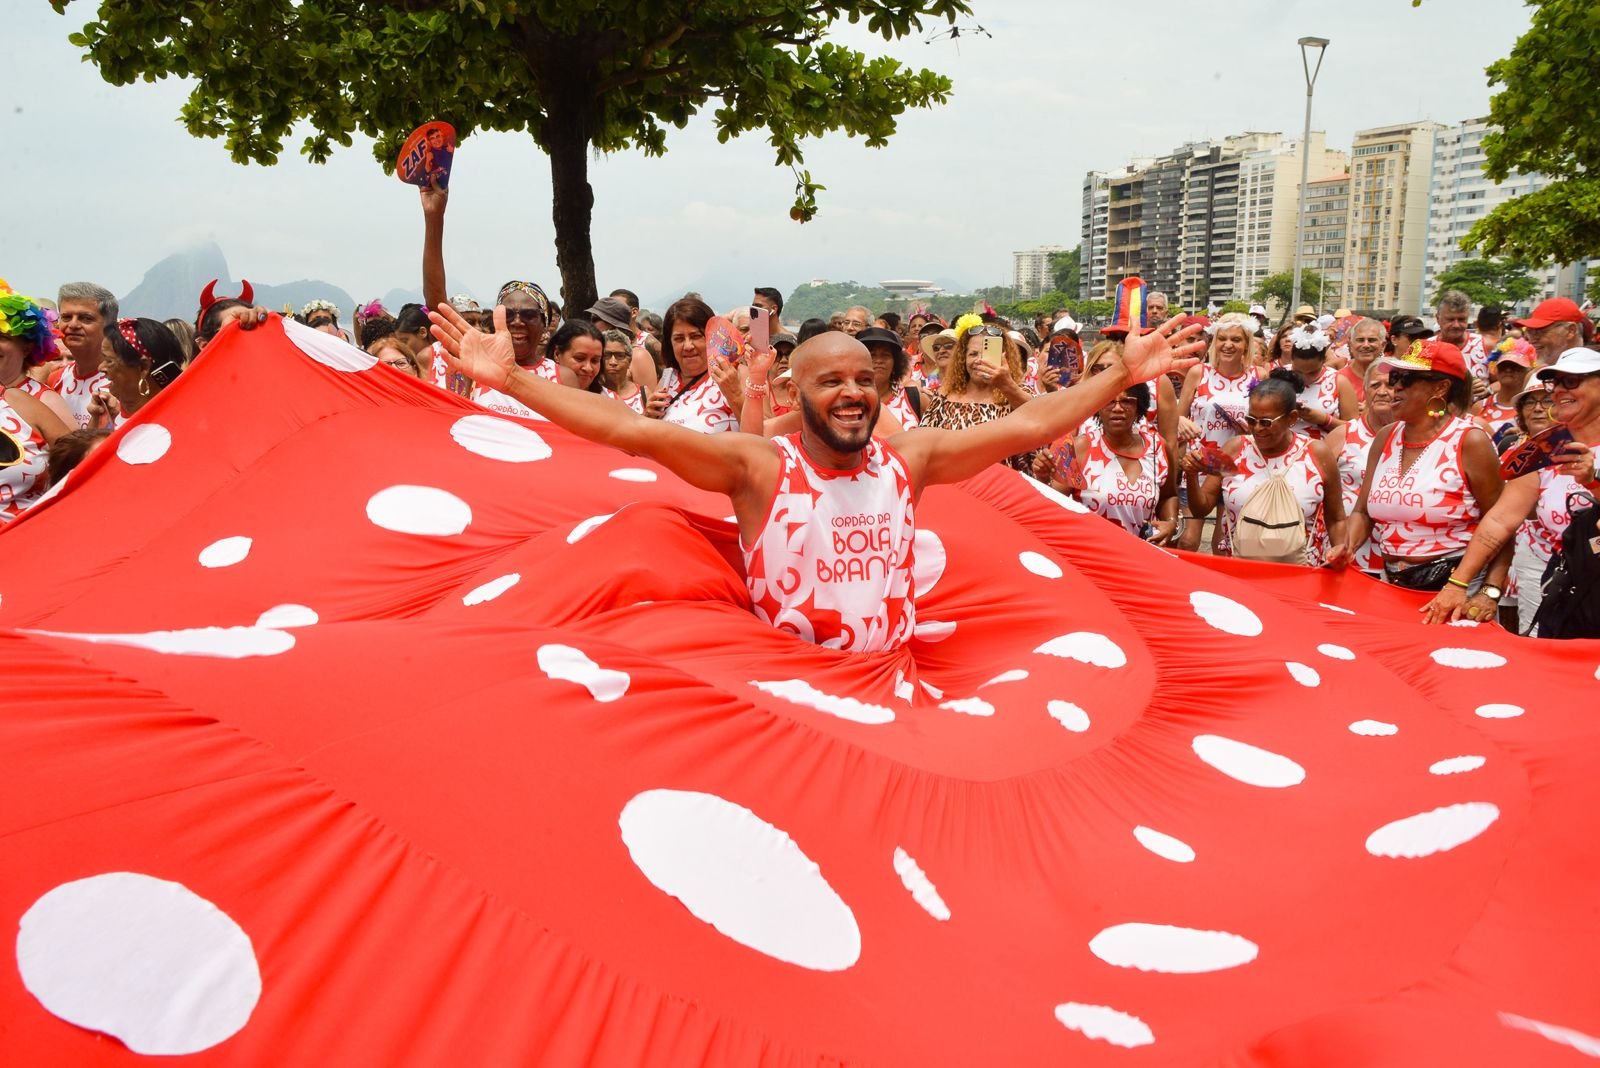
[[1440, 357], [877, 335], [929, 339], [1258, 309], [610, 310], [1515, 351], [1554, 310], [1578, 361], [783, 339], [1063, 325], [463, 303], [1410, 326]]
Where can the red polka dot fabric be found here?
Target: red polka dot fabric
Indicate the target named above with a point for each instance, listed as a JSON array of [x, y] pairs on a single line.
[[346, 723]]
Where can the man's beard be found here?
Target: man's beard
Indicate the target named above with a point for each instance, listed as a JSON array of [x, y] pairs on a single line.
[[819, 425]]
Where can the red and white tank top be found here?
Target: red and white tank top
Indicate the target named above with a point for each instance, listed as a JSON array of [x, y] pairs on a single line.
[[701, 407], [1299, 469], [21, 484], [832, 563], [1321, 394], [78, 392], [506, 404], [1352, 461], [1426, 511], [899, 406], [1107, 490], [635, 402], [1477, 357], [1542, 532], [1216, 398], [1496, 416]]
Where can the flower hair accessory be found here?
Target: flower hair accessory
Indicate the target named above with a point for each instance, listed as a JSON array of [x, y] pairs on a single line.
[[371, 310], [28, 321], [1310, 337], [319, 305], [1247, 323], [965, 323]]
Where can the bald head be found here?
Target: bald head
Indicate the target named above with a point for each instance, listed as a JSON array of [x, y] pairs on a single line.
[[831, 349]]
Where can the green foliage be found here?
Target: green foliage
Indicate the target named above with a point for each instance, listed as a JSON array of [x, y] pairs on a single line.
[[1066, 268], [1233, 306], [575, 74], [1544, 119], [1280, 288], [1488, 281]]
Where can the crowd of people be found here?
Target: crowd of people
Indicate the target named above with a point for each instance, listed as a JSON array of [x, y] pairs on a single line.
[[1336, 440]]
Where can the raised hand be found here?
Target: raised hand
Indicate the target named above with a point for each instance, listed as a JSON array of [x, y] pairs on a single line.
[[487, 359], [1166, 348], [434, 199]]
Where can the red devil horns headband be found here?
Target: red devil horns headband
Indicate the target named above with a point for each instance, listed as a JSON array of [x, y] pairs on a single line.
[[208, 296]]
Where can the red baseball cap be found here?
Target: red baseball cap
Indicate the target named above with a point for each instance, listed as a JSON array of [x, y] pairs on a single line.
[[1554, 310], [1440, 357]]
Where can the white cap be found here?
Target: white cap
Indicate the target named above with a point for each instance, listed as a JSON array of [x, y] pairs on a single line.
[[1063, 324], [1258, 309], [1578, 361]]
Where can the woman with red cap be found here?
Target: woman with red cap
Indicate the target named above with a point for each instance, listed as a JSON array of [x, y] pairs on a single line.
[[1431, 476]]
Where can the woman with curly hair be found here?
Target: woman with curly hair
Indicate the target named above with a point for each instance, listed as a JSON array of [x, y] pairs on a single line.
[[976, 391], [27, 426]]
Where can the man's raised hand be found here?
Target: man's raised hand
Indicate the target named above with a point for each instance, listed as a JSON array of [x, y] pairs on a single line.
[[1166, 348], [487, 359]]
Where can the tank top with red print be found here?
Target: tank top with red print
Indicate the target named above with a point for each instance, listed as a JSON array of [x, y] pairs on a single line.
[[1216, 398], [832, 562], [1426, 511], [20, 483], [701, 407], [1551, 517], [1299, 469], [898, 405], [78, 392], [1352, 461], [1107, 491], [1321, 394], [1496, 416], [505, 403]]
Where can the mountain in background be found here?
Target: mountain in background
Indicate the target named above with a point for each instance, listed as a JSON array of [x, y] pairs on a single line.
[[171, 289]]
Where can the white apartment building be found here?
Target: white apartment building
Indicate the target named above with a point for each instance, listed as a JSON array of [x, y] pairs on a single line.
[[1386, 242], [1030, 271], [1327, 215], [1269, 205], [1096, 211]]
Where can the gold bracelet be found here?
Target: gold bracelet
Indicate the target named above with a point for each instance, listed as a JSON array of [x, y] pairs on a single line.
[[1458, 583]]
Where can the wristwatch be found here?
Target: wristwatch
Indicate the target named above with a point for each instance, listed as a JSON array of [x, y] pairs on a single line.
[[1494, 593]]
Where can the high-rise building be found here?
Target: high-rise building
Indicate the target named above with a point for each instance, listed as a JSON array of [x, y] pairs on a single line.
[[1461, 194], [1386, 240], [1096, 209], [1327, 215], [1030, 271], [1124, 218], [1269, 206]]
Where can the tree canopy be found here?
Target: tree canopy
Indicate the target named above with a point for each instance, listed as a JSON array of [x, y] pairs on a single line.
[[1488, 281], [1280, 288], [1543, 116], [1066, 269], [575, 74]]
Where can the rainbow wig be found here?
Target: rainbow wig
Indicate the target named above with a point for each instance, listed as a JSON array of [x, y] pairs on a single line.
[[30, 322]]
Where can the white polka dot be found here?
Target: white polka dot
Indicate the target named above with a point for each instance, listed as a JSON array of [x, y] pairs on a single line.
[[326, 349], [1457, 765], [491, 589], [566, 664], [1247, 763], [1056, 496], [1467, 658], [1304, 674], [1040, 565], [287, 616], [1164, 845], [1373, 728], [1500, 711], [1586, 1044], [1337, 652], [1226, 615], [1069, 716], [142, 959], [225, 553], [494, 438], [634, 474], [928, 560], [743, 876], [1087, 647], [1156, 947], [144, 444], [1336, 608], [1105, 1023], [923, 892], [1432, 832], [1014, 675], [226, 643], [419, 510], [932, 630], [970, 706], [802, 692], [587, 527]]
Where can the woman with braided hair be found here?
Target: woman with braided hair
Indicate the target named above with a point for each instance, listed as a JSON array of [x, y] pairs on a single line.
[[140, 358]]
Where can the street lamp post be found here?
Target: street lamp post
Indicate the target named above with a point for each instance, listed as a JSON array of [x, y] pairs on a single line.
[[1307, 45]]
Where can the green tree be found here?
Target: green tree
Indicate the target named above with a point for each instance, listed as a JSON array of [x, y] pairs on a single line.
[[1280, 288], [1488, 281], [574, 74], [1065, 270], [1544, 124], [1233, 306]]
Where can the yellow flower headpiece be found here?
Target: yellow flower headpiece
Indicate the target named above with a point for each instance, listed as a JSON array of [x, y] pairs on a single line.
[[965, 323]]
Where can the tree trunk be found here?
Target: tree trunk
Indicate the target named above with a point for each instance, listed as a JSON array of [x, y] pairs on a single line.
[[572, 198]]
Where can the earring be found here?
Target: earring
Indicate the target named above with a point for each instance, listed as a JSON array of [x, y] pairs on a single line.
[[144, 386]]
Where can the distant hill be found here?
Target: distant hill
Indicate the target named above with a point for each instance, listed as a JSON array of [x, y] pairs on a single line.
[[171, 289]]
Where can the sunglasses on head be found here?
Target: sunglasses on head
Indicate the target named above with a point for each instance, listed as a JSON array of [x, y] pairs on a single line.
[[1258, 422], [524, 315], [1564, 381], [986, 330]]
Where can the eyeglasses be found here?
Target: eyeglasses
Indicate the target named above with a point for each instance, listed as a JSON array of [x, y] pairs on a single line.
[[1567, 382], [1129, 400], [524, 315], [1256, 422], [398, 364], [618, 354]]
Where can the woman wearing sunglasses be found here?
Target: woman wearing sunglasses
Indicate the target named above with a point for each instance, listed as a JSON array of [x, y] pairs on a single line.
[[1271, 449], [1539, 502], [976, 391], [1431, 475]]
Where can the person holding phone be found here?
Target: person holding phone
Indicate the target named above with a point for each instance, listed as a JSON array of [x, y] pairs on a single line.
[[826, 515], [689, 394], [1538, 502], [981, 383]]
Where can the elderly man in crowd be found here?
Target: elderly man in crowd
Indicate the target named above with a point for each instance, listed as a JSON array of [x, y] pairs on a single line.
[[85, 309], [1555, 326]]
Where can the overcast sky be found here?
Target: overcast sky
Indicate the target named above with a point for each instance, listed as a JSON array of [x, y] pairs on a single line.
[[105, 181]]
